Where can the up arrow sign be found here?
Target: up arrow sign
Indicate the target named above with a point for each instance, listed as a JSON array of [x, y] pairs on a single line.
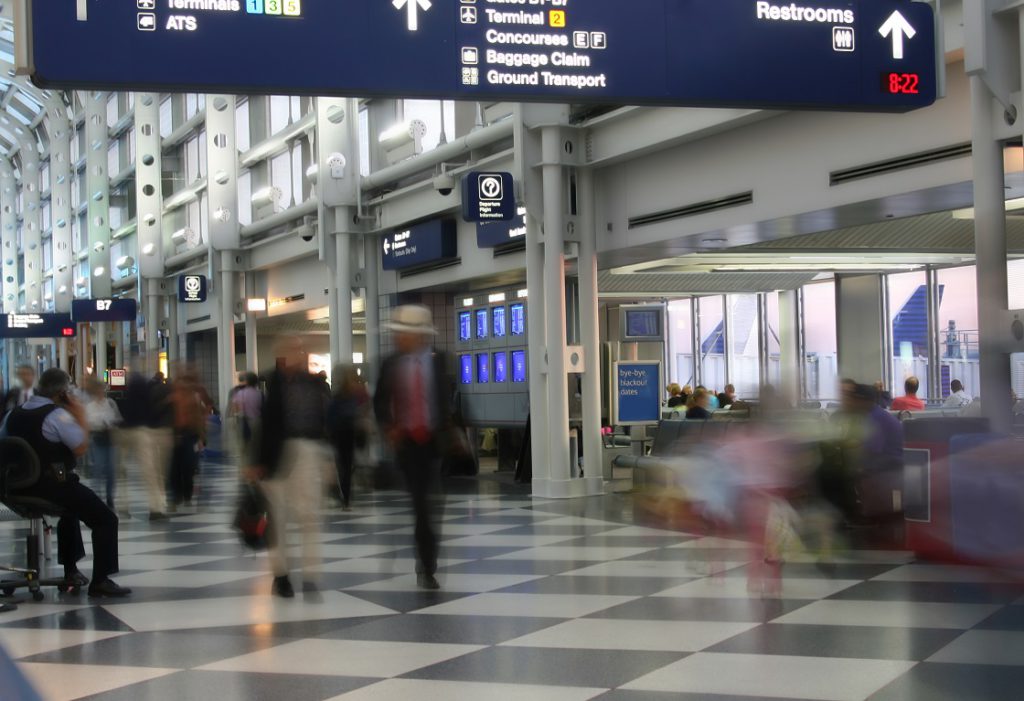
[[413, 7], [898, 26]]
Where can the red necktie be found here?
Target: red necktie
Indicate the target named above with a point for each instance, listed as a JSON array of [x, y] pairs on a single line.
[[420, 432]]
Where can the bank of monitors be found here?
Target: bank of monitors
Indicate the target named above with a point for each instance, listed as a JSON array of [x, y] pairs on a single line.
[[519, 367], [500, 367], [518, 324], [482, 316], [491, 340], [465, 327], [483, 368], [499, 325]]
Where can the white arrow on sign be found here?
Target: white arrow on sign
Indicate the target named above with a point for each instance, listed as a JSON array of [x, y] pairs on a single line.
[[898, 26], [413, 7], [387, 247]]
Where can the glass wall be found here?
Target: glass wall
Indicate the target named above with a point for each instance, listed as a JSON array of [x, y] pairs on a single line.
[[712, 344], [774, 339], [743, 347], [681, 341], [821, 359], [908, 324], [958, 330]]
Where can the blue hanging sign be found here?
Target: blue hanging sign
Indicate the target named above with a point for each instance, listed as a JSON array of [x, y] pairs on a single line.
[[637, 392], [192, 289], [421, 244], [488, 197]]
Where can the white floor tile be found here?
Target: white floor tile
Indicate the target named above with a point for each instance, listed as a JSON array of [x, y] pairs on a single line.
[[571, 553], [1001, 647], [820, 678], [601, 634], [132, 548], [405, 689], [944, 573], [893, 614], [19, 642], [535, 605], [736, 588], [379, 565], [193, 579], [456, 529], [64, 682], [508, 541], [238, 611], [468, 583], [554, 520], [632, 531], [703, 543], [152, 561], [342, 658], [646, 568], [341, 550]]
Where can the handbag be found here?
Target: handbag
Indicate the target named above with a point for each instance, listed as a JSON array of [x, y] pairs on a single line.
[[252, 517]]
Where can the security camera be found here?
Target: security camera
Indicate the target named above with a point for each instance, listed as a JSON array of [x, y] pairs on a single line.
[[444, 184]]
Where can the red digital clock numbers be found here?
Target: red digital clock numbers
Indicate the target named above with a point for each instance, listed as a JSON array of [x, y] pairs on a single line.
[[901, 83]]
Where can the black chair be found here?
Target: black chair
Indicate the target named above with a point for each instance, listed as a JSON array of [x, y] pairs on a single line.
[[19, 470]]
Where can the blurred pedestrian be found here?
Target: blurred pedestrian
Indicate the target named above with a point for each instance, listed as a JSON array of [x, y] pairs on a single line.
[[246, 409], [294, 458], [884, 396], [413, 407], [102, 417], [346, 421], [25, 390], [190, 406], [697, 407]]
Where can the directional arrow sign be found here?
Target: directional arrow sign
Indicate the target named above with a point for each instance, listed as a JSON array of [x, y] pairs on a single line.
[[387, 247], [413, 7], [898, 26]]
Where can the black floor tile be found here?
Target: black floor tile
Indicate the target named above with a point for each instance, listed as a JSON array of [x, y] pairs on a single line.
[[558, 667], [803, 570], [541, 529], [406, 601], [290, 630], [453, 630], [678, 609], [629, 541], [955, 682], [92, 618], [623, 695], [615, 586], [939, 592], [855, 642], [1007, 618], [514, 566], [231, 686], [694, 555]]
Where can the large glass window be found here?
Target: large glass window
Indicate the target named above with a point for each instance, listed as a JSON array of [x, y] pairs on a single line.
[[958, 330], [908, 310], [821, 362], [280, 113], [114, 159], [298, 173], [166, 117], [774, 334], [680, 332], [744, 346], [364, 142], [281, 177], [712, 345], [192, 163], [243, 138], [245, 198], [437, 115]]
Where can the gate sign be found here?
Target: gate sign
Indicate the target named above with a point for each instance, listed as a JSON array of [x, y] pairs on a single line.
[[637, 392], [101, 310], [488, 197], [192, 289], [421, 244], [37, 326], [873, 55]]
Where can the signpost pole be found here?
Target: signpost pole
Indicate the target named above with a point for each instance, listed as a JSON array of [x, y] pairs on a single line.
[[101, 350], [343, 295]]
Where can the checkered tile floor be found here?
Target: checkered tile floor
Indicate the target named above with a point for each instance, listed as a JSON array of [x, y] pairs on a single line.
[[541, 600]]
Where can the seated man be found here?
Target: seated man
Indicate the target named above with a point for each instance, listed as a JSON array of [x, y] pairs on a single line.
[[54, 424], [958, 398], [909, 402], [727, 398]]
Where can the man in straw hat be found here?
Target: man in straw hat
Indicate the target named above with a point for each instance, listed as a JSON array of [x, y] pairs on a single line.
[[412, 405]]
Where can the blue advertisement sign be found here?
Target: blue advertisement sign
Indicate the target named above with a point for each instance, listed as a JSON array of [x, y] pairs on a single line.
[[502, 233], [192, 289], [100, 310], [488, 197], [637, 392], [829, 54], [421, 244]]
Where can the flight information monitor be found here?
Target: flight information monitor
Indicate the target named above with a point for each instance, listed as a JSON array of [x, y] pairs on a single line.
[[501, 367], [37, 326], [519, 366], [465, 326], [818, 54], [481, 324], [498, 316], [466, 369], [483, 368], [518, 314], [642, 323]]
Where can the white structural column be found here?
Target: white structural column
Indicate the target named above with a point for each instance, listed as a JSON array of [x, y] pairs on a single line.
[[98, 218], [149, 205], [990, 253], [59, 129], [224, 231], [790, 345], [860, 324], [590, 334], [31, 225], [371, 264], [9, 243], [537, 332], [559, 468]]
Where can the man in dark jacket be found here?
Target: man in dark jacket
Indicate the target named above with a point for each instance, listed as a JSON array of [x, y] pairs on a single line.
[[54, 424], [294, 457], [413, 408]]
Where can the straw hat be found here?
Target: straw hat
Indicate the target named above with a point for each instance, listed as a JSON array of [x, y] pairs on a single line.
[[412, 318]]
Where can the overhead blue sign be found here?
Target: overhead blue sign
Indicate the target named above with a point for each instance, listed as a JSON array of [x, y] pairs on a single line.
[[820, 54], [421, 245], [502, 233], [488, 197], [192, 289], [101, 310], [37, 326], [637, 392]]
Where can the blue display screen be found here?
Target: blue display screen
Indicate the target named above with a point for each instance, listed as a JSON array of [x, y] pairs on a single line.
[[466, 369], [481, 323], [519, 366], [483, 368], [465, 326], [643, 323], [501, 367], [498, 317], [518, 319]]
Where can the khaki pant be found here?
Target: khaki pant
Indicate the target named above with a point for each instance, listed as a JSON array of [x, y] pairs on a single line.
[[151, 449], [296, 494]]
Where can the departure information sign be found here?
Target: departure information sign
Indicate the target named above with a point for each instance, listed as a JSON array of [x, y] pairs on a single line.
[[820, 54], [37, 326]]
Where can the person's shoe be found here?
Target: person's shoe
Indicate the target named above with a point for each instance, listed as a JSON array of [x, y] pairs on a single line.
[[76, 580], [172, 508], [427, 581], [283, 588], [157, 516], [108, 588]]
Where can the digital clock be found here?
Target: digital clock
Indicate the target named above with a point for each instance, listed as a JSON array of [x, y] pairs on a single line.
[[901, 83]]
